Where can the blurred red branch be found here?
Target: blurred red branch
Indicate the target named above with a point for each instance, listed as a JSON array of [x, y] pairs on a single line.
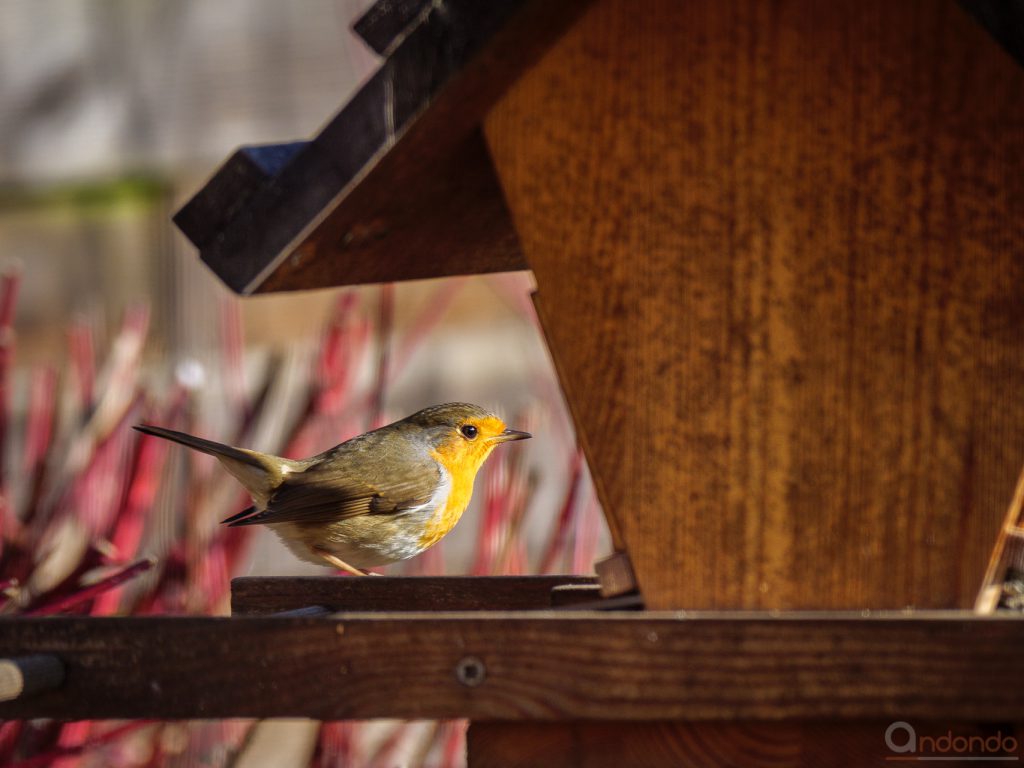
[[84, 595]]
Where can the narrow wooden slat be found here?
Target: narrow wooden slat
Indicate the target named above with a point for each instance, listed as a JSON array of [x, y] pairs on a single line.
[[1005, 555], [386, 20], [245, 173], [253, 596], [544, 667]]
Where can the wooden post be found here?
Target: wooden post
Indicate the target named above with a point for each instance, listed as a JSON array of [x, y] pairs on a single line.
[[778, 256]]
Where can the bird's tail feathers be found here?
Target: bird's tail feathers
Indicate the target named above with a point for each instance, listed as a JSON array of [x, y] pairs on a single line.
[[260, 473], [237, 519], [206, 446]]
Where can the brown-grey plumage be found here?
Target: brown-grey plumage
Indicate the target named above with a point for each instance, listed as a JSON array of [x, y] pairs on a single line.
[[351, 479], [399, 475]]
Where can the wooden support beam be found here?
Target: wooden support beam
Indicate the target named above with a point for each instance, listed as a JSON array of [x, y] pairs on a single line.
[[422, 213], [398, 185], [254, 596], [541, 667]]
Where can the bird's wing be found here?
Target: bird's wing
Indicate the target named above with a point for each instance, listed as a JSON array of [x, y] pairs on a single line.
[[347, 484]]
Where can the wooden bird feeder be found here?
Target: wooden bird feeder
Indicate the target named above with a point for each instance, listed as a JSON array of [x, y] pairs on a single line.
[[778, 257]]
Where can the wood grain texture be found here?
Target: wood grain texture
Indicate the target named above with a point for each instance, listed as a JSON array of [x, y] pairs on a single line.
[[628, 666], [253, 596], [778, 250], [615, 575], [421, 213], [679, 745]]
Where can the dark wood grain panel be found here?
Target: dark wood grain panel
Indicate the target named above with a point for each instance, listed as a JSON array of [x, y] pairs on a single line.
[[543, 667], [852, 744], [253, 596], [778, 251]]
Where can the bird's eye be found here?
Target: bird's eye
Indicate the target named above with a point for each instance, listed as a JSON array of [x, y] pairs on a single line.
[[468, 431]]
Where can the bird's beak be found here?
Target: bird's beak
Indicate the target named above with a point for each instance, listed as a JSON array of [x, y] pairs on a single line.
[[511, 434]]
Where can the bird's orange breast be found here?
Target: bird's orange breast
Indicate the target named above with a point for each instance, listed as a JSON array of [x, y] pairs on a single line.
[[461, 471]]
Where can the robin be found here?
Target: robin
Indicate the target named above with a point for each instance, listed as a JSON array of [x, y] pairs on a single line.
[[378, 498]]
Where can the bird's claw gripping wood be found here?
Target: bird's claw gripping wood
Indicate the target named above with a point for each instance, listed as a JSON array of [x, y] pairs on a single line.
[[340, 564]]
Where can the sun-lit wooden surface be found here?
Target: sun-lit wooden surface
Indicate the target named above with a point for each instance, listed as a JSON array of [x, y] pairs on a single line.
[[778, 257]]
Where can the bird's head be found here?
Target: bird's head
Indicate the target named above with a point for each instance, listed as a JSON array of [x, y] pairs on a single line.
[[462, 435]]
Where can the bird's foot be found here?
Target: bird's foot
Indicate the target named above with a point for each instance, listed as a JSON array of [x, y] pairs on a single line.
[[337, 562]]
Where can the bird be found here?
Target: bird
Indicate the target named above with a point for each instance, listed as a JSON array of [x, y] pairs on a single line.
[[381, 497]]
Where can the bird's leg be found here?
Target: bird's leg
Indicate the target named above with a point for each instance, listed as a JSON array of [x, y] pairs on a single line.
[[337, 562]]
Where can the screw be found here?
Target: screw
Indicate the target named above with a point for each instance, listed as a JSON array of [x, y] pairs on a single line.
[[470, 671]]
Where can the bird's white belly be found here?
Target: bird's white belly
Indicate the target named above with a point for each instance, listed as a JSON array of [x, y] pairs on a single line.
[[367, 540]]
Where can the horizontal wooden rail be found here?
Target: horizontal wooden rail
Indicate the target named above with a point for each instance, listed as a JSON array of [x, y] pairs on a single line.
[[535, 666]]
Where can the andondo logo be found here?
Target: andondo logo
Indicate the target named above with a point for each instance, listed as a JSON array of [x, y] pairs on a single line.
[[906, 744]]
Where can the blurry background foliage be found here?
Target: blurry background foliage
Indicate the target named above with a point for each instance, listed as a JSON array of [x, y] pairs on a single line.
[[112, 114]]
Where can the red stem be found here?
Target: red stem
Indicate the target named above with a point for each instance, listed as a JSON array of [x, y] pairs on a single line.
[[75, 599], [82, 352], [49, 757], [559, 536], [9, 285], [384, 333]]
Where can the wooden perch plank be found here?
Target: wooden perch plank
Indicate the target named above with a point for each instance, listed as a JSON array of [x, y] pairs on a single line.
[[536, 667], [253, 596]]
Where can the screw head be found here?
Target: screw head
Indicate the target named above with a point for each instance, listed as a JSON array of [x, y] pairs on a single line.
[[470, 671]]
